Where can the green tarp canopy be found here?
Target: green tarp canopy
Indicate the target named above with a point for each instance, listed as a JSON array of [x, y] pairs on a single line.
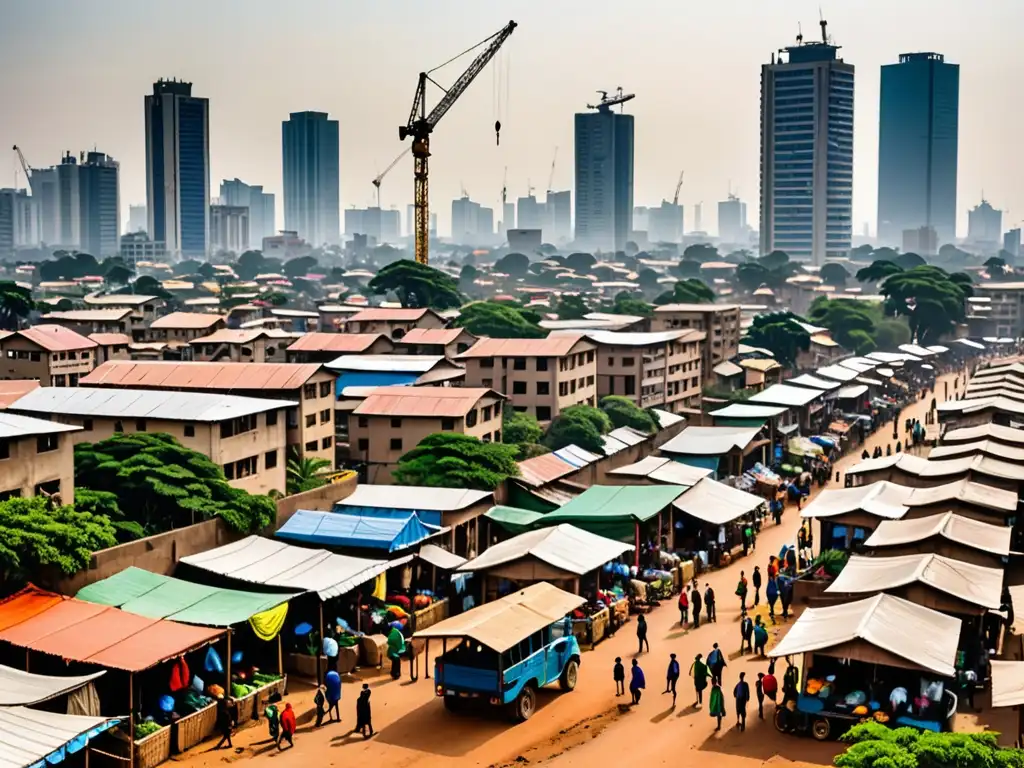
[[514, 519], [613, 511], [163, 597]]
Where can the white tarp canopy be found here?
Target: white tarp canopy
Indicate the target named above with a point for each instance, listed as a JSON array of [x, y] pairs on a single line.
[[974, 405], [857, 390], [881, 499], [257, 560], [837, 372], [441, 558], [30, 738], [952, 527], [710, 441], [784, 394], [984, 432], [920, 636], [891, 357], [662, 470], [965, 491], [807, 380], [1007, 683], [916, 349], [564, 546], [859, 364], [717, 503], [414, 498], [971, 344], [24, 688], [1002, 452], [922, 467], [971, 583]]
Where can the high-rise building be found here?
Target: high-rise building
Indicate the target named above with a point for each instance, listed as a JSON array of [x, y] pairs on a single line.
[[923, 241], [229, 229], [641, 218], [732, 220], [665, 223], [1011, 242], [7, 217], [384, 226], [918, 129], [137, 218], [44, 190], [81, 209], [472, 223], [19, 221], [178, 168], [807, 152], [311, 194], [410, 217], [261, 205], [508, 218], [984, 225], [558, 215], [529, 213], [604, 178]]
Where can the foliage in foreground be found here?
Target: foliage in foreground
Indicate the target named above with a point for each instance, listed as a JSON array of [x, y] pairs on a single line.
[[500, 321], [873, 745], [417, 285], [579, 425], [453, 460], [305, 474], [623, 412], [777, 332]]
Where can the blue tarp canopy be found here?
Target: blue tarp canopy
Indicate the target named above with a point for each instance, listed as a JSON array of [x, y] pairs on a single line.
[[374, 379], [341, 529]]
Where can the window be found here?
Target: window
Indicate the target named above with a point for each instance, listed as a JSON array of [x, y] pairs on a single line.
[[14, 493], [563, 389], [271, 418], [611, 361], [590, 381], [471, 418], [5, 449], [396, 423], [543, 387], [326, 443], [364, 422], [190, 430], [590, 356], [229, 471], [486, 438], [49, 488], [245, 467], [447, 425], [119, 426], [364, 444], [237, 426], [325, 389], [630, 385], [46, 443], [310, 446], [87, 425], [309, 392], [33, 356], [73, 379], [140, 425], [542, 363], [628, 361], [519, 363], [11, 354], [543, 413], [518, 388], [487, 383], [311, 420], [270, 459], [486, 362], [396, 444], [325, 416], [497, 435], [73, 356], [487, 411]]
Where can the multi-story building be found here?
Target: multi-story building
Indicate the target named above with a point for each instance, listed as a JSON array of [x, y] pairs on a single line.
[[261, 205], [471, 222], [732, 220], [448, 342], [530, 214], [654, 370], [19, 221], [138, 219], [183, 327], [508, 218], [665, 223], [309, 421], [136, 246], [394, 323], [7, 217], [918, 132], [558, 217], [243, 345], [229, 229], [311, 174], [541, 377], [178, 168], [54, 355], [145, 309], [324, 346], [923, 241], [86, 321], [410, 218], [604, 179], [985, 225], [245, 435], [111, 346], [393, 420], [44, 190], [384, 226], [37, 457], [720, 323], [1006, 317], [1011, 242], [807, 153]]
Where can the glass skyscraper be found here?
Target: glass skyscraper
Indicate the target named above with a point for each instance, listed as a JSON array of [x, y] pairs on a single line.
[[918, 131], [604, 179], [807, 153], [311, 197]]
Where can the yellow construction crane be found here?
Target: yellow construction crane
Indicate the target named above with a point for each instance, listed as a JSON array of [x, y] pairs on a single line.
[[377, 182], [421, 125]]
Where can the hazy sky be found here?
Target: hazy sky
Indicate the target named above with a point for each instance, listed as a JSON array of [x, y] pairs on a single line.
[[76, 72]]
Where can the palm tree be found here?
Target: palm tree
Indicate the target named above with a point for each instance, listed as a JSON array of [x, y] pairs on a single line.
[[305, 474], [15, 304]]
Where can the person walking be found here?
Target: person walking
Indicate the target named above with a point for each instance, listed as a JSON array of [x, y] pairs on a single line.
[[364, 717], [769, 684], [741, 693], [755, 580], [699, 673], [273, 718], [684, 607], [760, 632], [695, 605], [716, 704], [225, 720], [672, 677], [332, 685], [396, 648], [641, 634], [786, 596], [287, 726], [716, 663], [619, 676], [771, 594], [709, 603], [741, 591], [746, 633], [759, 690], [636, 682], [320, 702]]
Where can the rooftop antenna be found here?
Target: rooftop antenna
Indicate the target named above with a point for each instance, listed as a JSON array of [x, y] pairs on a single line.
[[824, 27], [799, 34]]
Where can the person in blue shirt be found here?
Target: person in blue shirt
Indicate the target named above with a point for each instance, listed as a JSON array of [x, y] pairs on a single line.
[[636, 682], [672, 677], [742, 695]]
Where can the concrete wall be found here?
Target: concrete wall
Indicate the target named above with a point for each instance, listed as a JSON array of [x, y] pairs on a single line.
[[25, 467], [319, 498]]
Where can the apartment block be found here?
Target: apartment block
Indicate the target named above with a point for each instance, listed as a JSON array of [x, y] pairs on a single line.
[[86, 321], [538, 376], [394, 323], [245, 345], [145, 309], [449, 342], [322, 347], [1006, 318], [37, 457], [111, 346], [54, 355], [719, 322], [183, 327]]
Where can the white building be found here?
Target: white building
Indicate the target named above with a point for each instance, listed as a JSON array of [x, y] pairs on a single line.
[[262, 206], [229, 229]]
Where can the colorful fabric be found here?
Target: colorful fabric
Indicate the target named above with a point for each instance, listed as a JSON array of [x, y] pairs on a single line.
[[396, 643], [268, 624], [179, 676], [380, 587]]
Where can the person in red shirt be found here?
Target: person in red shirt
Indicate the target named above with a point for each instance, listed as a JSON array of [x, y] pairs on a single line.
[[684, 608], [769, 685], [287, 726]]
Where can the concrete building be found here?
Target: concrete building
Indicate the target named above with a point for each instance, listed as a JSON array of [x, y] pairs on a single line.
[[310, 423], [807, 153], [37, 457], [145, 309], [449, 342], [524, 240], [323, 346], [86, 321], [178, 169], [245, 345], [410, 217], [719, 322], [384, 226], [604, 179], [732, 220], [541, 377], [136, 246], [558, 217], [44, 190], [394, 323], [472, 223], [530, 214], [985, 225], [393, 420], [918, 136], [229, 229], [183, 327], [311, 177], [111, 346], [53, 355], [1011, 242], [246, 436], [261, 205], [1007, 307], [654, 370], [7, 217], [923, 241], [19, 221], [665, 223], [138, 219]]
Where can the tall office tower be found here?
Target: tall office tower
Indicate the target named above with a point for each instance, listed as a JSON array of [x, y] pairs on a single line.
[[529, 213], [261, 207], [100, 193], [1011, 242], [604, 177], [465, 220], [641, 218], [918, 129], [137, 218], [7, 218], [984, 224], [383, 226], [19, 220], [178, 168], [558, 215], [732, 220], [665, 223], [311, 203], [44, 189], [485, 225], [229, 229], [807, 152]]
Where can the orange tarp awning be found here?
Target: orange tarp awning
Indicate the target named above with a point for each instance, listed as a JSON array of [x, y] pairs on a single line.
[[95, 634]]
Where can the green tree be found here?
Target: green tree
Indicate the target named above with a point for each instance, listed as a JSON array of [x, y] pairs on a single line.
[[417, 285], [118, 274], [468, 275], [500, 321], [104, 504], [909, 260], [578, 425], [571, 307], [623, 412], [146, 285], [580, 263], [305, 474], [701, 253], [520, 428], [774, 260], [186, 267], [249, 264], [625, 304], [850, 321], [878, 271], [691, 291], [890, 333], [160, 484], [514, 264], [751, 276], [834, 273], [15, 305], [777, 331], [35, 535], [453, 460], [206, 271], [300, 267], [648, 279], [873, 745], [931, 299]]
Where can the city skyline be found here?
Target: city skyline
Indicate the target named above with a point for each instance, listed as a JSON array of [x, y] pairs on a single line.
[[689, 116]]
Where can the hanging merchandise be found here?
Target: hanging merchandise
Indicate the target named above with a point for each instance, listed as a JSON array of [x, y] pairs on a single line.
[[380, 587], [180, 675], [266, 625], [212, 662]]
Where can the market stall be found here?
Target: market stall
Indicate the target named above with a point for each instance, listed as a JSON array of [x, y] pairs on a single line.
[[711, 520], [848, 515], [32, 738], [950, 535]]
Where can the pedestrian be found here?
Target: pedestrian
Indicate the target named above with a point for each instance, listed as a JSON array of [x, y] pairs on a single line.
[[684, 607], [636, 682], [759, 690], [672, 677], [641, 634], [709, 603], [225, 720], [741, 591], [699, 673], [769, 684], [364, 718], [888, 450], [801, 537], [320, 702], [771, 593], [716, 704], [760, 633], [742, 695], [755, 579], [716, 663], [695, 605], [746, 633], [790, 681], [786, 596], [865, 455], [396, 648], [273, 721], [333, 695], [287, 726], [619, 676], [898, 446]]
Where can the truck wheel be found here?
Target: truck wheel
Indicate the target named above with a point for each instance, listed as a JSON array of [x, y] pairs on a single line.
[[781, 720], [821, 729], [452, 704], [569, 675], [524, 705]]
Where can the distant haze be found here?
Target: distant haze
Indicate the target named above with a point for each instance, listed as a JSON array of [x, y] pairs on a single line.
[[75, 74]]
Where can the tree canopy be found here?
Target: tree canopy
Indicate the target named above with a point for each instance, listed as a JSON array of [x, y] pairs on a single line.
[[417, 285], [15, 305], [579, 425], [453, 460], [581, 263], [909, 260], [305, 474], [625, 304], [701, 252], [300, 267], [690, 291], [623, 412], [520, 427], [777, 331], [514, 264], [873, 745], [500, 321], [571, 307], [834, 273], [849, 320], [930, 298], [878, 270]]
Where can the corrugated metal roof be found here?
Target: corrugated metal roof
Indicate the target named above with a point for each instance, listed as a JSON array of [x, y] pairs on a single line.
[[807, 380], [90, 315], [917, 350], [667, 419], [381, 314], [110, 339], [710, 441], [13, 426], [880, 499], [837, 372], [57, 338], [433, 335], [578, 457], [447, 402], [756, 364], [335, 342], [388, 363], [193, 321], [662, 470], [556, 345], [744, 411], [159, 374], [13, 389], [544, 469], [640, 339], [783, 394], [243, 336], [851, 392], [697, 308], [143, 404], [414, 498], [119, 300], [628, 435], [727, 369], [565, 547]]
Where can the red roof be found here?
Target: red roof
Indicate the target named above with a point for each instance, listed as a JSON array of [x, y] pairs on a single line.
[[553, 346], [110, 339], [221, 377], [57, 338], [319, 341], [193, 321], [15, 389], [544, 469], [433, 335], [438, 402], [384, 314]]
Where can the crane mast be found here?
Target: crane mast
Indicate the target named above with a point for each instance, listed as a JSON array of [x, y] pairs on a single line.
[[679, 186], [24, 168], [421, 124], [377, 182]]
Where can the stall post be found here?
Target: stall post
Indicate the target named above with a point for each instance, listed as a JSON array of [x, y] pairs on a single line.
[[636, 550], [27, 652], [280, 656], [426, 659], [319, 676], [227, 668], [131, 720], [657, 538]]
